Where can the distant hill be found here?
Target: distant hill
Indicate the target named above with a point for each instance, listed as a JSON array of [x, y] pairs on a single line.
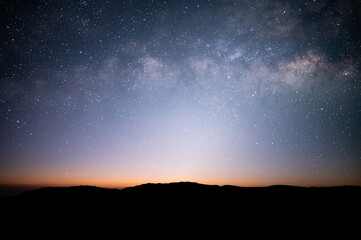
[[188, 198], [189, 190], [183, 206]]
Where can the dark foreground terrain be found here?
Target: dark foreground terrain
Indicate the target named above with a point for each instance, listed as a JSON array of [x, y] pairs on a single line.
[[188, 195], [188, 203]]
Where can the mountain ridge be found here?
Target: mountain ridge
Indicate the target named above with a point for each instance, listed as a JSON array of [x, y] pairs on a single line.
[[185, 188], [184, 199]]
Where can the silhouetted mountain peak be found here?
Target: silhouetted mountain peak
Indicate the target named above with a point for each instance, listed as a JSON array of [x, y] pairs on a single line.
[[180, 192], [184, 200]]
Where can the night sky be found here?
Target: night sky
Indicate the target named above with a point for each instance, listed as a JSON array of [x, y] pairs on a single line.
[[119, 93]]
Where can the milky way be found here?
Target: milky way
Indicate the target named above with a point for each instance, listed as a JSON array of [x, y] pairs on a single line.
[[116, 93]]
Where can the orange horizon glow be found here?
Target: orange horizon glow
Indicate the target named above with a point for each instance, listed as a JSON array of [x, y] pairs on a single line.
[[123, 183], [205, 172]]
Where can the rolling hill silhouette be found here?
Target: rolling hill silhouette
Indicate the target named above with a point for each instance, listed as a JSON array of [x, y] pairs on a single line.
[[186, 199], [183, 192], [194, 190], [183, 206]]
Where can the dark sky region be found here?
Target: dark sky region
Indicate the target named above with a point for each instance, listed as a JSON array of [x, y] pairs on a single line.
[[118, 93]]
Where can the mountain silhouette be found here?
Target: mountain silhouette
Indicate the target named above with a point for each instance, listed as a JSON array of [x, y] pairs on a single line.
[[182, 193], [183, 207], [186, 200], [194, 190]]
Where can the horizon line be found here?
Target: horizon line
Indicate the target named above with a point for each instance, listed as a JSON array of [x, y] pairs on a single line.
[[111, 186]]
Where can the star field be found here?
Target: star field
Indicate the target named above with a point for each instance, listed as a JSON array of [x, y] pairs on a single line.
[[117, 93]]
